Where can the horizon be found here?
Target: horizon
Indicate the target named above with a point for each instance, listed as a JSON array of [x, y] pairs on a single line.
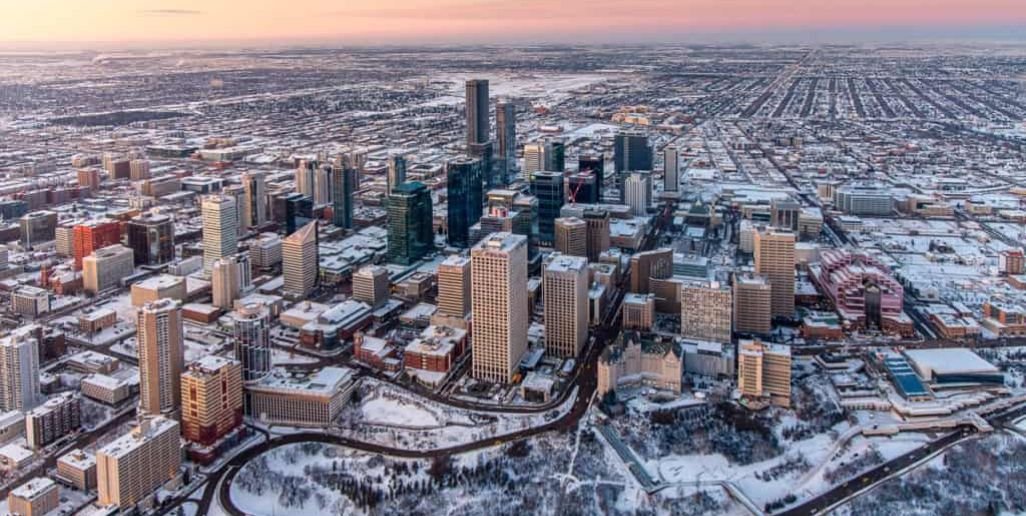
[[124, 24]]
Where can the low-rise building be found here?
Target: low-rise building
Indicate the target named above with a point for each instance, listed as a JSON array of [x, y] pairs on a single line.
[[78, 468], [637, 359], [313, 399], [37, 497]]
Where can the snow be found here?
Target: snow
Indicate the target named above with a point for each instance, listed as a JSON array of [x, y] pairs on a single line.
[[397, 412]]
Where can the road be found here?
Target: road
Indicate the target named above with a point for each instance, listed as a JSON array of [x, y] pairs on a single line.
[[219, 482]]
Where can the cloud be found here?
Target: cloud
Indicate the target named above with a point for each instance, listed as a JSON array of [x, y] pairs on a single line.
[[171, 12]]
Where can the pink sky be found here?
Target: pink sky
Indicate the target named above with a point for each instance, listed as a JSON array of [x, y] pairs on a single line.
[[403, 21]]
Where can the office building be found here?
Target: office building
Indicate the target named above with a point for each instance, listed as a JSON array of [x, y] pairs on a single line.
[[547, 187], [534, 160], [861, 288], [465, 189], [254, 205], [19, 373], [638, 192], [596, 166], [229, 277], [133, 466], [478, 126], [294, 210], [161, 343], [582, 187], [300, 261], [59, 416], [220, 228], [345, 181], [598, 232], [753, 300], [322, 183], [37, 497], [506, 139], [29, 301], [104, 268], [671, 170], [764, 371], [396, 173], [784, 214], [92, 235], [499, 306], [315, 399], [555, 156], [631, 152], [305, 177], [410, 232], [265, 251], [454, 286], [774, 258], [571, 236], [211, 399], [37, 228], [371, 285], [864, 200], [705, 311], [638, 311], [251, 332], [565, 294], [657, 263], [158, 287], [152, 239]]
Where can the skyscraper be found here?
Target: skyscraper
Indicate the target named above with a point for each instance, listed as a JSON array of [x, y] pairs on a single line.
[[344, 183], [555, 156], [548, 188], [752, 304], [631, 152], [454, 286], [322, 185], [19, 373], [764, 370], [499, 306], [229, 277], [37, 228], [220, 233], [152, 239], [410, 231], [582, 187], [466, 198], [296, 211], [254, 207], [371, 285], [565, 294], [305, 177], [638, 192], [571, 236], [774, 258], [92, 235], [671, 174], [534, 160], [211, 399], [251, 331], [506, 138], [105, 268], [396, 172], [477, 111], [161, 343], [596, 164], [300, 261]]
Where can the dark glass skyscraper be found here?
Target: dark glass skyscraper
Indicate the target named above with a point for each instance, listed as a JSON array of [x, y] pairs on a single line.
[[547, 186], [396, 172], [410, 234], [298, 210], [555, 156], [152, 239], [466, 197], [343, 187], [631, 152], [596, 165], [477, 111]]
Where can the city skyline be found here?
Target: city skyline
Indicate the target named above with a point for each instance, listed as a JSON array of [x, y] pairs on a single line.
[[187, 23]]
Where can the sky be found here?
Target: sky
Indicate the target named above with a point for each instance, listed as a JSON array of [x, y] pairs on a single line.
[[187, 22]]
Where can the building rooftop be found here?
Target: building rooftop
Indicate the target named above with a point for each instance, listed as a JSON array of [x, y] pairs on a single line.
[[327, 381], [33, 488], [139, 435]]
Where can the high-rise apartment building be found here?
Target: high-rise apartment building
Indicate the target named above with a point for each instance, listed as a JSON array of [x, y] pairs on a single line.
[[411, 235], [371, 285], [454, 286], [251, 332], [254, 206], [506, 138], [220, 228], [571, 236], [152, 239], [705, 311], [478, 126], [104, 268], [300, 262], [753, 298], [19, 373], [499, 306], [133, 466], [774, 258], [211, 399], [764, 370], [161, 343], [565, 294]]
